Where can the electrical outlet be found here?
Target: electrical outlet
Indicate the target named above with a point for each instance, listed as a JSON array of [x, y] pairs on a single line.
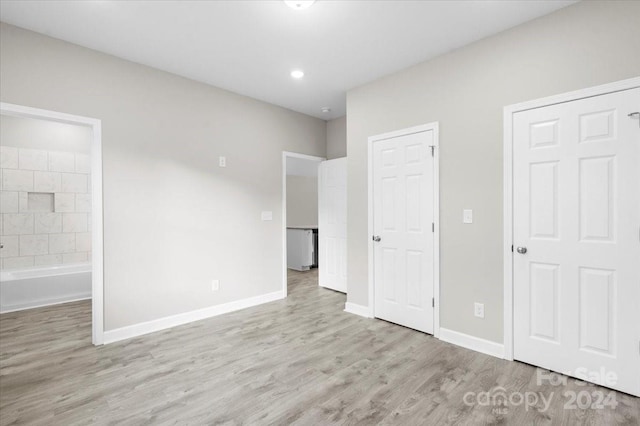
[[478, 310], [222, 161], [215, 285]]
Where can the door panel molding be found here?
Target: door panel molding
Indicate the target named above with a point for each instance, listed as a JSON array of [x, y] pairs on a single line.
[[433, 127]]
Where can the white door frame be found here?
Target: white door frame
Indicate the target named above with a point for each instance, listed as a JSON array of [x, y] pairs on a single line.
[[436, 214], [509, 111], [97, 265], [285, 155]]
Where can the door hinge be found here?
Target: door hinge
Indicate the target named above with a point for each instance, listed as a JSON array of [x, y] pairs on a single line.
[[433, 148], [511, 248], [433, 302], [433, 227]]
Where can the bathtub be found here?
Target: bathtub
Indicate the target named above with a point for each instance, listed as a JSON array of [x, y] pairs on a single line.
[[42, 286]]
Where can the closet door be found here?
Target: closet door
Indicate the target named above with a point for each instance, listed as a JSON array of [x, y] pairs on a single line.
[[576, 234]]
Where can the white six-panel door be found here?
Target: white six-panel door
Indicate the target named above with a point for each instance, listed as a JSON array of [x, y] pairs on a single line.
[[332, 226], [403, 214], [576, 189]]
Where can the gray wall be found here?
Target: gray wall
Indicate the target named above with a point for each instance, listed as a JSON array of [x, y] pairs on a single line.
[[43, 134], [173, 220], [337, 138], [583, 45], [302, 201]]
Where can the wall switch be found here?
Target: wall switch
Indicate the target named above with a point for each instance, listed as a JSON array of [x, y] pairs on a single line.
[[267, 215], [467, 216], [478, 310], [222, 161], [215, 285]]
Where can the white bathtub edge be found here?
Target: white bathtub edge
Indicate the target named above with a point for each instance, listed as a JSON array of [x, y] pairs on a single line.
[[33, 288], [5, 309]]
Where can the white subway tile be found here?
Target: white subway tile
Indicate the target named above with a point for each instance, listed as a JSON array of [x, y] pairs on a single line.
[[10, 246], [17, 180], [23, 202], [62, 162], [64, 202], [17, 223], [74, 222], [74, 182], [62, 243], [8, 157], [47, 260], [83, 203], [9, 202], [48, 223], [47, 182], [32, 159], [83, 163], [17, 262], [77, 257], [34, 244], [83, 241]]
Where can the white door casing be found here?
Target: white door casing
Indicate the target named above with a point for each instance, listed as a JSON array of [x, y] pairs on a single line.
[[403, 207], [332, 224], [576, 210]]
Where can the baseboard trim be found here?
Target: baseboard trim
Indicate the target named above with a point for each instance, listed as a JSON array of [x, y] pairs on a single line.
[[471, 342], [356, 309], [128, 332], [5, 309]]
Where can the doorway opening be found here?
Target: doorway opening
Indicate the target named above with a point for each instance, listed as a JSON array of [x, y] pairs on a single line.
[[299, 218], [51, 212]]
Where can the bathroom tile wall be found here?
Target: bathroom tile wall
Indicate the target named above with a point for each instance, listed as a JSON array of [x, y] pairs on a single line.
[[45, 208]]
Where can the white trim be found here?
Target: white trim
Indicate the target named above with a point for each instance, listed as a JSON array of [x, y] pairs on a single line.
[[356, 309], [509, 111], [436, 235], [147, 327], [471, 342], [285, 155], [97, 259], [436, 214]]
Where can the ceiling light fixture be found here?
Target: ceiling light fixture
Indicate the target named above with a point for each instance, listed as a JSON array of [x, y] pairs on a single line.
[[297, 74], [299, 4], [325, 109]]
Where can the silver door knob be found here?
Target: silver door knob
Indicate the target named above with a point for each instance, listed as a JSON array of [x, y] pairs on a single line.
[[376, 238], [522, 250]]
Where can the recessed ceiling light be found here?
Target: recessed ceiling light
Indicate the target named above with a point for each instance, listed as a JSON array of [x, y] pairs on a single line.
[[325, 109], [299, 4], [298, 74]]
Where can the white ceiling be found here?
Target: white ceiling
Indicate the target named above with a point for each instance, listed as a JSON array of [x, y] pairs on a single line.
[[250, 47]]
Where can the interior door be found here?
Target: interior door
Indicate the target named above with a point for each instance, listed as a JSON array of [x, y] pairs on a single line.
[[332, 226], [403, 212], [576, 233]]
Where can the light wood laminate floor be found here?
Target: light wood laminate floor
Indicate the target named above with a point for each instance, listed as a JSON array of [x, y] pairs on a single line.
[[297, 361]]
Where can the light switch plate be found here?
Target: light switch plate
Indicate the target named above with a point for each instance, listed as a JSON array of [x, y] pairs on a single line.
[[267, 215], [215, 285], [467, 216], [222, 161], [478, 310]]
